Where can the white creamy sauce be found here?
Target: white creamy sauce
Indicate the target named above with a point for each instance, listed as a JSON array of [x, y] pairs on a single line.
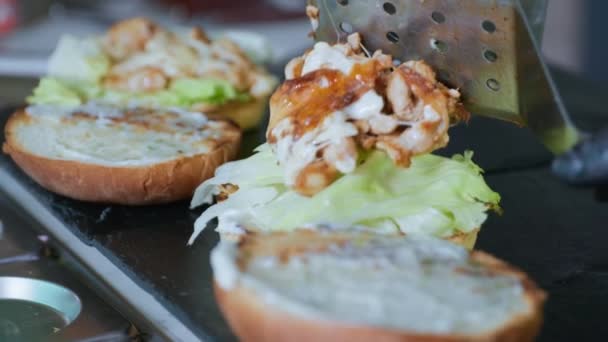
[[180, 55], [415, 283], [324, 56], [423, 128], [291, 67], [94, 108], [324, 226], [337, 154], [263, 86], [416, 137], [101, 110], [189, 118], [106, 142], [367, 106], [314, 23], [430, 114], [295, 154], [201, 48], [324, 82], [165, 51]]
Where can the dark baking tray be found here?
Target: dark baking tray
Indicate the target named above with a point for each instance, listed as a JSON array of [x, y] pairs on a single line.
[[555, 232]]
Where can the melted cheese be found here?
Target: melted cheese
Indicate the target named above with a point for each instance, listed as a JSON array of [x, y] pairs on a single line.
[[416, 283]]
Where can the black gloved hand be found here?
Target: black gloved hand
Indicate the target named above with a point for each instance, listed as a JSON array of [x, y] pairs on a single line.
[[586, 163]]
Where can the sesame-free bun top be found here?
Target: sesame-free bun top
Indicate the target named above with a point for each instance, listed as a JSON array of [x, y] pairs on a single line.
[[108, 154], [358, 286]]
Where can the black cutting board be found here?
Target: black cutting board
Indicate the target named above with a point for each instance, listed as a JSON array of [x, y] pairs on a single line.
[[557, 233]]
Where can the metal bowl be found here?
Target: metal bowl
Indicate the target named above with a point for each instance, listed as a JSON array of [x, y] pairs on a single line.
[[32, 308]]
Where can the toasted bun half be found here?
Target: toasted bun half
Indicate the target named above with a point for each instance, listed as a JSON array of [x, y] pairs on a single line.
[[260, 307], [143, 157]]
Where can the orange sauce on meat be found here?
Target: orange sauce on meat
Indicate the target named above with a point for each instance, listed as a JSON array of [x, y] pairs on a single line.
[[309, 99]]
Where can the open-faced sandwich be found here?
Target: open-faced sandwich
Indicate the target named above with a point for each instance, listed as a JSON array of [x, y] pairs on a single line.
[[109, 154], [354, 286], [139, 63], [349, 143], [138, 116]]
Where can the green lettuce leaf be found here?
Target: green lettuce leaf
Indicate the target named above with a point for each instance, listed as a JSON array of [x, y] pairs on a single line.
[[78, 61], [191, 91], [435, 195], [55, 92], [182, 93]]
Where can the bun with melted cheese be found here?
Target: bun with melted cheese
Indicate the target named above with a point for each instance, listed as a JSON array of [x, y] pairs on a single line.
[[352, 286], [133, 157]]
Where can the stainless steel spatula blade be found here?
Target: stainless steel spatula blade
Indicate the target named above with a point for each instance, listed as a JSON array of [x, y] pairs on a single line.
[[486, 48]]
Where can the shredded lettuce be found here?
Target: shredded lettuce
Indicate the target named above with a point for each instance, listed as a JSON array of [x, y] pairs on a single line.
[[435, 195], [182, 93]]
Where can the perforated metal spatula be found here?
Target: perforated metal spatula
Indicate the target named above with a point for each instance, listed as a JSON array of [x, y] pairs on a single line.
[[486, 48]]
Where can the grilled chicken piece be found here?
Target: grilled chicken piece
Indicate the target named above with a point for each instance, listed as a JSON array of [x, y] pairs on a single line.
[[128, 37], [338, 100], [315, 177], [146, 79], [313, 14], [147, 58]]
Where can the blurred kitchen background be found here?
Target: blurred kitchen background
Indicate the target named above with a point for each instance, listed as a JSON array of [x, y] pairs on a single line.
[[574, 40]]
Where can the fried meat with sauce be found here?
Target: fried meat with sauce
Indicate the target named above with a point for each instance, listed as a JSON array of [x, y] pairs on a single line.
[[147, 57], [338, 101]]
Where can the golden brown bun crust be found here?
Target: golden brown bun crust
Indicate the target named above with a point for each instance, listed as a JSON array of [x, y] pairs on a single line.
[[253, 320], [247, 115], [158, 183], [466, 240]]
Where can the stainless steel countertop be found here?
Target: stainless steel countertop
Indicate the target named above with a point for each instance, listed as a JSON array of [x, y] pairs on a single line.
[[24, 253]]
